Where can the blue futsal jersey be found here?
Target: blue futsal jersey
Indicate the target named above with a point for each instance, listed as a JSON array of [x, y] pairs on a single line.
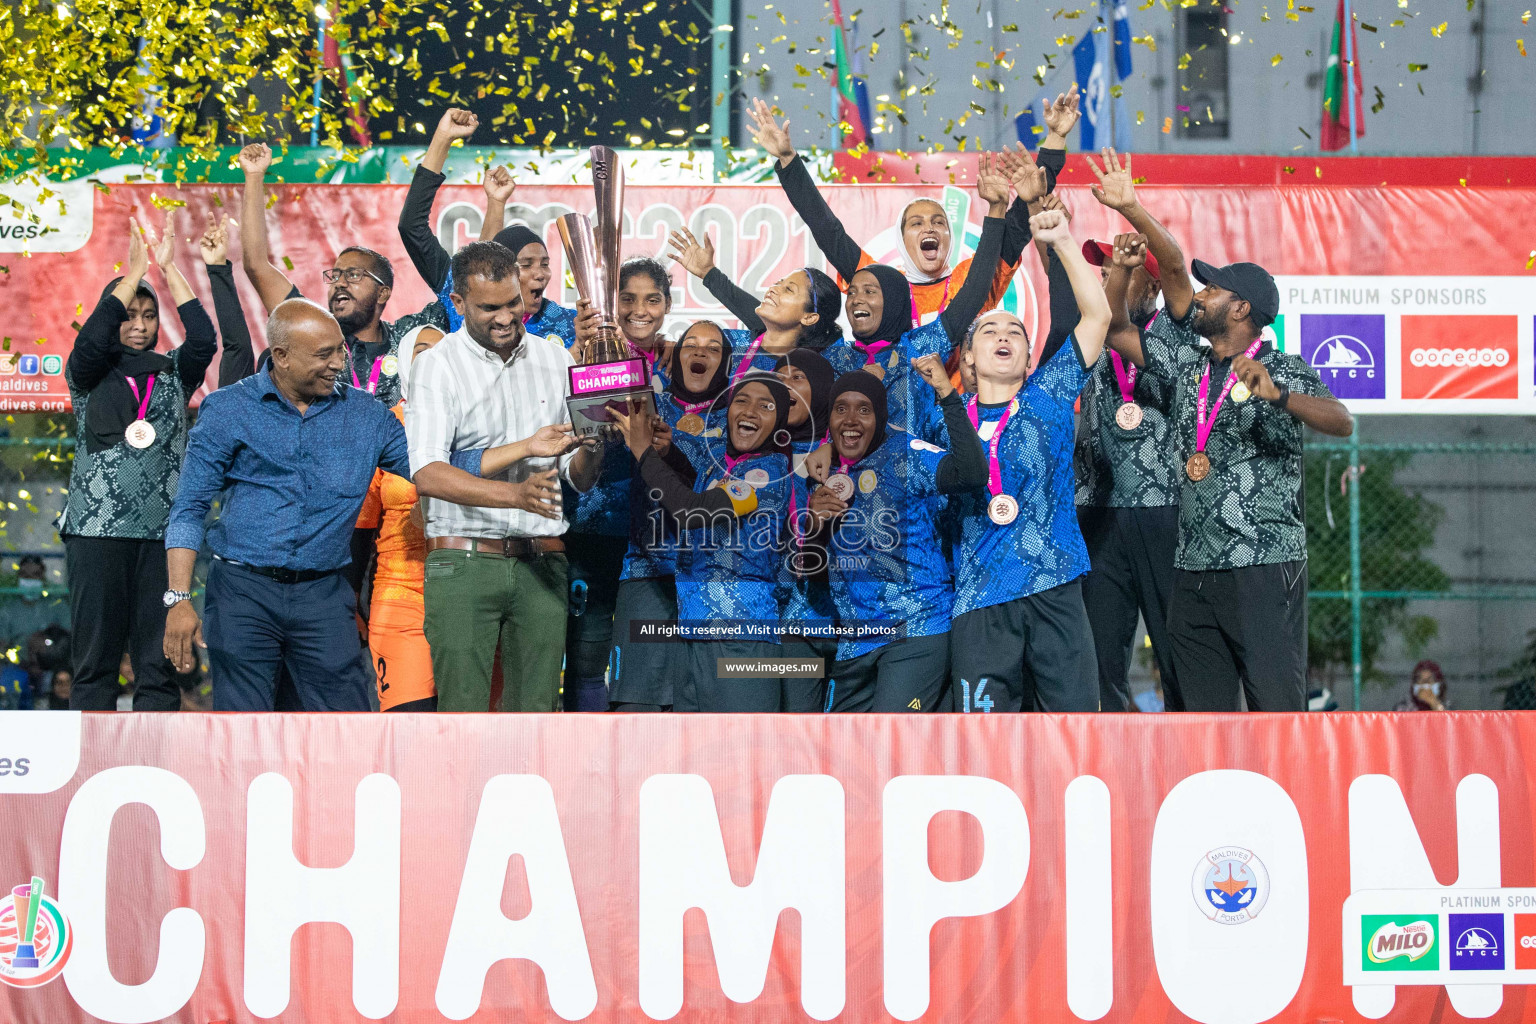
[[1043, 547], [652, 539], [805, 599], [886, 560], [732, 568]]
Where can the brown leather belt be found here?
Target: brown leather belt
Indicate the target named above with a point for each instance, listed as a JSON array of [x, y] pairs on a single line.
[[507, 547]]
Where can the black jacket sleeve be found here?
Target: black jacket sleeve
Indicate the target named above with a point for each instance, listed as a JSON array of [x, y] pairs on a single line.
[[840, 250], [1064, 311], [96, 345], [427, 253], [965, 467], [677, 498], [198, 348], [740, 302], [1017, 237], [972, 296], [237, 360]]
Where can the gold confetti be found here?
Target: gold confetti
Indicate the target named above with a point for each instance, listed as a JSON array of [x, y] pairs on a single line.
[[1274, 61], [1439, 30], [1415, 68], [1530, 263], [1167, 126], [1520, 45]]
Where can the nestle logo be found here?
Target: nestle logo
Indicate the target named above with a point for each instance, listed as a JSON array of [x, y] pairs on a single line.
[[599, 377]]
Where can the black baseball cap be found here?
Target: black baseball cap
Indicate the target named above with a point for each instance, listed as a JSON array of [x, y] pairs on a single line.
[[1249, 282]]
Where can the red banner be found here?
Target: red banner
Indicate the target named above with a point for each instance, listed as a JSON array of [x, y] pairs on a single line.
[[1375, 257], [414, 868]]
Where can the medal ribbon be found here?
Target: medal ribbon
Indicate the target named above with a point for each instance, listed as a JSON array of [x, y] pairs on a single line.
[[1204, 422], [871, 349], [732, 461], [746, 360], [994, 467], [690, 407], [649, 357], [373, 376], [1125, 376], [149, 389]]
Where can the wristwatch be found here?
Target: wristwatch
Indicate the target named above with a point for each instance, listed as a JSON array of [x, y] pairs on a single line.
[[174, 597], [1280, 400]]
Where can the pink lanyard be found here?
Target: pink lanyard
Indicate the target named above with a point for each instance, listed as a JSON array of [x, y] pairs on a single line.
[[871, 349], [149, 389], [994, 468], [691, 407], [373, 376], [746, 360], [943, 300], [732, 461], [1204, 422], [649, 357], [1125, 376]]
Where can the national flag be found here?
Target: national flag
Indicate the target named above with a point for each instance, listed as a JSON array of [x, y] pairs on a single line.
[[1339, 115], [148, 128], [852, 94], [1122, 40], [1091, 59]]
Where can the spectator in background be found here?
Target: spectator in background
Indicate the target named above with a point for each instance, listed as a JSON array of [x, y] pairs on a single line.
[[46, 658], [131, 411], [1426, 689], [33, 608]]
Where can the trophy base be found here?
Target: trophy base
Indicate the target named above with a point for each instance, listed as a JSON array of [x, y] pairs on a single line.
[[593, 415], [26, 956]]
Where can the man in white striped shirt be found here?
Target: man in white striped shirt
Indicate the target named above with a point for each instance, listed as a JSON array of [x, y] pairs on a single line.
[[495, 575]]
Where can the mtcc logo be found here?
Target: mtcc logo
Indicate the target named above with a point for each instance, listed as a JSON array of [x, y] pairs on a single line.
[[1459, 357], [1344, 352]]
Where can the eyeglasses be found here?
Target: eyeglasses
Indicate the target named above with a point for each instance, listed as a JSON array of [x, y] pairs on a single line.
[[351, 275]]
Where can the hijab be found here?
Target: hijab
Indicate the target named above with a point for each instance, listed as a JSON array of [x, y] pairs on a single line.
[[112, 406], [820, 374], [516, 237], [896, 313], [716, 383], [910, 271], [781, 399], [870, 386]]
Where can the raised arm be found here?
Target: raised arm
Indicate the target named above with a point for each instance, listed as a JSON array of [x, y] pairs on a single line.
[[499, 188], [1116, 190], [237, 358], [964, 467], [1130, 252], [971, 299], [1033, 181], [427, 254], [1322, 413], [698, 258], [1052, 227], [96, 344], [841, 251], [200, 342], [676, 497], [255, 250]]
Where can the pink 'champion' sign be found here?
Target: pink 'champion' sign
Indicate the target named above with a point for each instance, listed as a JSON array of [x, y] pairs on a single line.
[[596, 378]]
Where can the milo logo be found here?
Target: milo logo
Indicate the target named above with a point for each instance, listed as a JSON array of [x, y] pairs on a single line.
[[1399, 943]]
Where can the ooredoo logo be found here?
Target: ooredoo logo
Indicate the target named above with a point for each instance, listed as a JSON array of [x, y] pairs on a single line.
[[1525, 942], [35, 938], [1460, 356]]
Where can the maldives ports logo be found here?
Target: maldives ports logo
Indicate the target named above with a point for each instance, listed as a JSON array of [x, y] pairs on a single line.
[[1399, 943], [1231, 885], [35, 937]]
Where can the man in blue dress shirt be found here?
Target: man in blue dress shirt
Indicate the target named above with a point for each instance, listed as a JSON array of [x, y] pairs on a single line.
[[293, 455]]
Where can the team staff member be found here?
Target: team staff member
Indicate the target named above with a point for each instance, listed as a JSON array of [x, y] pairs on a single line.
[[731, 504], [1127, 499], [926, 233], [1238, 618], [358, 288], [292, 455], [1020, 637], [432, 262], [641, 674], [880, 508], [131, 435], [494, 572]]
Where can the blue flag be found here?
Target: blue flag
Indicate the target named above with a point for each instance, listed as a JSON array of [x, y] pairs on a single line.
[[1026, 120], [1122, 40], [1090, 57]]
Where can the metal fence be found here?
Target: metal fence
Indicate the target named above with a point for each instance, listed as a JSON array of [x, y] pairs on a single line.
[[1420, 550]]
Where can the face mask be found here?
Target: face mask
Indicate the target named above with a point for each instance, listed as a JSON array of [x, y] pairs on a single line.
[[31, 590]]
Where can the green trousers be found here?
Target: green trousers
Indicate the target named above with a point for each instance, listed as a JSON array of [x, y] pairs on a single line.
[[476, 601]]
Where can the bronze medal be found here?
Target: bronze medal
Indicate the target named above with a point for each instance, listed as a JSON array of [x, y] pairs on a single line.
[[877, 370], [1197, 467], [1003, 509], [841, 486], [1128, 416], [139, 434], [692, 423]]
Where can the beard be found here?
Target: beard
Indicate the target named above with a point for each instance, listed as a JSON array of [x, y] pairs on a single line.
[[360, 317]]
